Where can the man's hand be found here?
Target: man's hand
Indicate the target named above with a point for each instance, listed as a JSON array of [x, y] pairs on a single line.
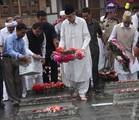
[[25, 59], [80, 50], [1, 48], [37, 57], [40, 58], [43, 61], [56, 43]]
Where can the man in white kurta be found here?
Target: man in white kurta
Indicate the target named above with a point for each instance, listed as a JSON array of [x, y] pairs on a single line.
[[127, 35], [75, 34]]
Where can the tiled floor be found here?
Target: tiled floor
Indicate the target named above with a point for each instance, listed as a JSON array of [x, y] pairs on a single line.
[[128, 111]]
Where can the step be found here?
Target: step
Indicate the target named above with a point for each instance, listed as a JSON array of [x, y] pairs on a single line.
[[44, 100], [69, 111], [126, 95], [110, 87]]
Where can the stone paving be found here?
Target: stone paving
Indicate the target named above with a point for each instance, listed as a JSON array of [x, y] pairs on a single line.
[[76, 109]]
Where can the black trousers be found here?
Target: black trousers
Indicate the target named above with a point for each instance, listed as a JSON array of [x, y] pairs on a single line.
[[95, 61], [1, 81], [52, 66], [13, 80]]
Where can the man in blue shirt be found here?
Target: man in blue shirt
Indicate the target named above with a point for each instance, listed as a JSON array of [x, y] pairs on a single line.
[[14, 52]]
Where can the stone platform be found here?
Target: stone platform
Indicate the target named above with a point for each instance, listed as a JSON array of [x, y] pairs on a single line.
[[69, 111], [39, 100], [113, 86], [125, 107], [40, 103], [126, 95]]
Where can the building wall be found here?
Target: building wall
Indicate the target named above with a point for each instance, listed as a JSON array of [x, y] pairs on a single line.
[[52, 7], [94, 5]]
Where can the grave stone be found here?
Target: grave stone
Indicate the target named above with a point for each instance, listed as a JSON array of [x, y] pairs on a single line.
[[68, 112]]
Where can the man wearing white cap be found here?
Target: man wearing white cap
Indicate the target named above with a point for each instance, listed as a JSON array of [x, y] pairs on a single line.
[[127, 35], [7, 30], [58, 24], [4, 33]]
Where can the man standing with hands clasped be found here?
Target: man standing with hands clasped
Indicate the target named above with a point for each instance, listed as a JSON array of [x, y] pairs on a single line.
[[75, 34]]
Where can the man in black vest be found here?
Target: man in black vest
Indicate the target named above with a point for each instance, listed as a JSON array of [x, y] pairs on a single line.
[[51, 43], [35, 43]]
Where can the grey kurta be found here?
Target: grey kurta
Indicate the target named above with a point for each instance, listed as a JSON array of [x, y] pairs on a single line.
[[76, 35], [128, 38]]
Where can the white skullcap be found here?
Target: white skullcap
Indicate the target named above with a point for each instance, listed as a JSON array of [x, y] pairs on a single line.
[[10, 24], [62, 13]]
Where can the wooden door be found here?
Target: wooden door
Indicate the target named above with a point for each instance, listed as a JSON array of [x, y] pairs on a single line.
[[94, 5]]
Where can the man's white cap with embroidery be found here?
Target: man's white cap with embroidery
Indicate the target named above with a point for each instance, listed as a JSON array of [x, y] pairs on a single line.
[[127, 16], [62, 13], [10, 24]]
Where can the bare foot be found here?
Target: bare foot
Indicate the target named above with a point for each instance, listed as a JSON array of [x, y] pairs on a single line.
[[83, 98]]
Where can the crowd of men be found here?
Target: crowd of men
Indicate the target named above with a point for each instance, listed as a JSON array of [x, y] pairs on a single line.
[[18, 45]]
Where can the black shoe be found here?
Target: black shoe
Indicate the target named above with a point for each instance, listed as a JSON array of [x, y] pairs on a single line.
[[15, 103]]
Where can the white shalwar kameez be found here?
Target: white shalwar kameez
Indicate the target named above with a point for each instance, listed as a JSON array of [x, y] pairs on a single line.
[[77, 72]]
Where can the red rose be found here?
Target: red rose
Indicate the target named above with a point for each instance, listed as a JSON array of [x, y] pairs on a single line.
[[68, 58], [73, 49], [38, 87], [79, 55], [59, 49]]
